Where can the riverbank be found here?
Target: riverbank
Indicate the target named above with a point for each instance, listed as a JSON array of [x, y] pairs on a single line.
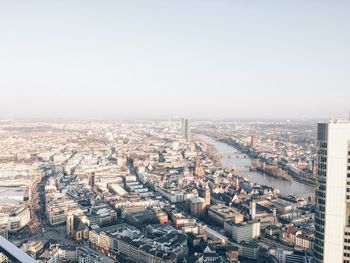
[[213, 154], [279, 171], [228, 152]]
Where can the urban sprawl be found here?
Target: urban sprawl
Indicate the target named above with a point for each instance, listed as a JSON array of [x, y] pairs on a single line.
[[158, 191]]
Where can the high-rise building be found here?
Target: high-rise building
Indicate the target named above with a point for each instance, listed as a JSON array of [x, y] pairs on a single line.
[[332, 215], [185, 130], [183, 127]]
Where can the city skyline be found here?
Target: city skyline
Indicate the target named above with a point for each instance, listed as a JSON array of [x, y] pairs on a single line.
[[85, 184], [175, 131], [165, 60]]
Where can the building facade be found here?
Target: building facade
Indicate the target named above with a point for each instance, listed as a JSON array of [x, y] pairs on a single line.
[[218, 214], [14, 218], [244, 231], [332, 215]]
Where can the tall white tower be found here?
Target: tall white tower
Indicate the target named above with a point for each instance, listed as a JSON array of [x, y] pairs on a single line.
[[332, 215], [183, 127]]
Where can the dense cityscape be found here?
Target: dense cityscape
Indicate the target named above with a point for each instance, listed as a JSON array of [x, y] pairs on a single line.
[[187, 131], [159, 191]]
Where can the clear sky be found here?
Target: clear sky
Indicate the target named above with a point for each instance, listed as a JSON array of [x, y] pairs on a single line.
[[161, 59]]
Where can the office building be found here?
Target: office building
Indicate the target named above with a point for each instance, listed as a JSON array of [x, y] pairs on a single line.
[[183, 127], [14, 218], [332, 215], [244, 231], [197, 206], [185, 130], [218, 214], [249, 250]]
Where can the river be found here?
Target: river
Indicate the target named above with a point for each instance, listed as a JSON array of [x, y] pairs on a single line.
[[232, 157]]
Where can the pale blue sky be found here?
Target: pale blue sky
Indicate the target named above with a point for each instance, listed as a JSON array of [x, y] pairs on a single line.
[[160, 59]]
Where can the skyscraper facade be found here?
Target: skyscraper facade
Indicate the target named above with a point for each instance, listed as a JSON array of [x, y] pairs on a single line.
[[185, 129], [332, 215]]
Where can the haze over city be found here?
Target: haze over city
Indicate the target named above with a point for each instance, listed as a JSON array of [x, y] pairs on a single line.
[[162, 59], [188, 131]]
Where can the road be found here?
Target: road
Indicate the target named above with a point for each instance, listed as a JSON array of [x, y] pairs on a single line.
[[272, 243]]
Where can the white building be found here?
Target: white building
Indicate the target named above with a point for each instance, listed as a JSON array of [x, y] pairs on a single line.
[[173, 196], [244, 231], [332, 217], [15, 218]]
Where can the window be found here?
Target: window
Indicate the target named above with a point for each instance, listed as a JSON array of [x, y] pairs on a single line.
[[323, 145]]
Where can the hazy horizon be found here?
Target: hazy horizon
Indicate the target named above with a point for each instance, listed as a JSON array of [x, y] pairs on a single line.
[[172, 119], [160, 60]]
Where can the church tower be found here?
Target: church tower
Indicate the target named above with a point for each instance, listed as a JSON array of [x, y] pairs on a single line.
[[70, 222]]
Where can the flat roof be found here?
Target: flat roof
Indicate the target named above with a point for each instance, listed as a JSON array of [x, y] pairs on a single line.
[[11, 250]]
